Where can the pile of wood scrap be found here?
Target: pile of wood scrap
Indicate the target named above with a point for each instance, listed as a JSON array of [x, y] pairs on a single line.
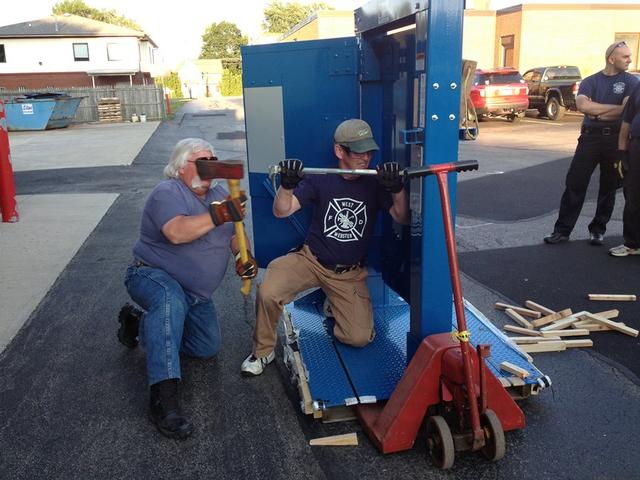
[[541, 329]]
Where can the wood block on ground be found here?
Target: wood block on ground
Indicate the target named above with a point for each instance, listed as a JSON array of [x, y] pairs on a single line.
[[516, 370], [519, 319], [521, 331], [522, 311], [521, 340], [585, 342], [554, 317], [544, 347], [538, 308], [336, 440], [608, 314], [614, 325], [565, 322], [594, 327], [576, 332], [611, 297]]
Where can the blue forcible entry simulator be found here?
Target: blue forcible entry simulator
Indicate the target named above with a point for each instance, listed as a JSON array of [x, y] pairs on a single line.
[[401, 73]]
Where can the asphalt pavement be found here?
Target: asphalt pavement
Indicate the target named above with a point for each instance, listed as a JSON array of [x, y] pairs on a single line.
[[73, 400]]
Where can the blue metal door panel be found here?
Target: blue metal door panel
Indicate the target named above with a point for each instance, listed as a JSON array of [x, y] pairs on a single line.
[[319, 87]]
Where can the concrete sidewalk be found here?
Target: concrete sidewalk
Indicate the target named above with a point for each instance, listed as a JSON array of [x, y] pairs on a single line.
[[53, 227]]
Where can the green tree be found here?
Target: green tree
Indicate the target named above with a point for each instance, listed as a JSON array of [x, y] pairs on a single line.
[[280, 17], [172, 82], [231, 83], [222, 40], [78, 7]]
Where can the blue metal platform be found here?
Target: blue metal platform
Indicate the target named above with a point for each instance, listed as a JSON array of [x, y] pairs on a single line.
[[340, 375]]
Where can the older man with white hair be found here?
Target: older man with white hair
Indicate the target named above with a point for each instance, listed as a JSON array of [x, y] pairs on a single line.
[[186, 236]]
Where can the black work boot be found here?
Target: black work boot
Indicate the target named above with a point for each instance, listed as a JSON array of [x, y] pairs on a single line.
[[164, 410], [129, 319]]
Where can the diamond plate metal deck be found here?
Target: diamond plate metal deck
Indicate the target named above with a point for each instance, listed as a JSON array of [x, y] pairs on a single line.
[[338, 373]]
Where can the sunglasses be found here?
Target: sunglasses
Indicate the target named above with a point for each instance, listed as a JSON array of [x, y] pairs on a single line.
[[617, 45]]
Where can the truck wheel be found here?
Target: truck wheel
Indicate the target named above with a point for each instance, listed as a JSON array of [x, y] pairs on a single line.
[[554, 110]]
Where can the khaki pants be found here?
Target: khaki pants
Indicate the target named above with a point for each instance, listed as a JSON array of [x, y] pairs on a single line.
[[298, 271]]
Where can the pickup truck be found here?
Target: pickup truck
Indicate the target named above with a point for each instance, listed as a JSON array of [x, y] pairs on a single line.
[[553, 90]]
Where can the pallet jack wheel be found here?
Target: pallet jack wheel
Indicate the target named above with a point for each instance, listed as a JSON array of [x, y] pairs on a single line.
[[440, 442], [494, 446]]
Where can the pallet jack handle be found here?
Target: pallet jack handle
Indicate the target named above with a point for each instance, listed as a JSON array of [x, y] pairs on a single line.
[[440, 171]]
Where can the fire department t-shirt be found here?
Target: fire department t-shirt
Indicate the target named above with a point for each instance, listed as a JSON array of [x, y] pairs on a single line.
[[608, 90], [344, 214]]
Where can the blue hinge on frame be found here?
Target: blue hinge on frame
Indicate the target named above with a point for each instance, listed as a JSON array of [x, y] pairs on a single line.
[[412, 137]]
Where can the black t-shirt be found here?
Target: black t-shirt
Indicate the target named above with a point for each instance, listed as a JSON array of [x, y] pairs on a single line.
[[608, 90], [343, 216]]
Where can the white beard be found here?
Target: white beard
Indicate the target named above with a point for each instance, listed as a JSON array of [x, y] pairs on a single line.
[[196, 182]]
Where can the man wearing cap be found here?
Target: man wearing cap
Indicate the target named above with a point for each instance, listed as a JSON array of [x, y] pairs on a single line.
[[333, 256], [601, 97]]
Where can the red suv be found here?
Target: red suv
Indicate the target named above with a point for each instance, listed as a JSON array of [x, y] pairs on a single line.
[[499, 92]]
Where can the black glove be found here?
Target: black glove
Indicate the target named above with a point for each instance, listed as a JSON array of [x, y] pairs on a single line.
[[290, 173], [230, 210], [389, 177], [622, 163], [247, 270]]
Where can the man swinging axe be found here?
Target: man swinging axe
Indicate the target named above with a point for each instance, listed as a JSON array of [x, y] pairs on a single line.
[[189, 226]]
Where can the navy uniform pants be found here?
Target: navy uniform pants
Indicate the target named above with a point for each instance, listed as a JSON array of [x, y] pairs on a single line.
[[631, 215], [593, 149]]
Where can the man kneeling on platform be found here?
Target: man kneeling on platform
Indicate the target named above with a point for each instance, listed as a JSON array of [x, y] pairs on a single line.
[[333, 256]]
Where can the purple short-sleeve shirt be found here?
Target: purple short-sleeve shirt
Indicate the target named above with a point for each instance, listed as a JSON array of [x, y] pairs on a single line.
[[198, 266]]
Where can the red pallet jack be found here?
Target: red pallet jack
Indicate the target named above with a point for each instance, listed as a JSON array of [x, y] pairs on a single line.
[[446, 381]]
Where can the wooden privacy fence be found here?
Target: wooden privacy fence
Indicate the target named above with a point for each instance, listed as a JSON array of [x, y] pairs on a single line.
[[141, 99]]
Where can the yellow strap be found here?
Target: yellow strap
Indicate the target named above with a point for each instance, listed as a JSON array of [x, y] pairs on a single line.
[[463, 336]]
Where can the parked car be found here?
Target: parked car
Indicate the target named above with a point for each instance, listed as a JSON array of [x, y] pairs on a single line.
[[499, 92], [553, 90]]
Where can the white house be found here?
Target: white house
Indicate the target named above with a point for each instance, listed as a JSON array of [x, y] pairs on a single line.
[[72, 51], [200, 78]]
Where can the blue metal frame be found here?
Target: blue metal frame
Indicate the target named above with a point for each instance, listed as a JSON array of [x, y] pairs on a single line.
[[406, 84]]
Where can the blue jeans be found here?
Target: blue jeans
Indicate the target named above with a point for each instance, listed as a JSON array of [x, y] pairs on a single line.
[[175, 321]]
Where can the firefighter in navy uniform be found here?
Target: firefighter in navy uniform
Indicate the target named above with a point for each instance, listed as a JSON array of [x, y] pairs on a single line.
[[333, 256], [601, 97], [628, 167]]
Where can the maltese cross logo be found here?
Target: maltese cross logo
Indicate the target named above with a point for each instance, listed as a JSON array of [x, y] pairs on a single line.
[[345, 220]]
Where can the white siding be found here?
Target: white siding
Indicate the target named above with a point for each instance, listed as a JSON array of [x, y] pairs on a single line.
[[41, 55]]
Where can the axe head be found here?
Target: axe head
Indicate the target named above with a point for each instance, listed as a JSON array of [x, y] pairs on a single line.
[[228, 169]]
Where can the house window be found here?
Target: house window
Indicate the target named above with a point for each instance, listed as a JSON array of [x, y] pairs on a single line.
[[81, 52], [114, 52], [633, 42], [3, 58]]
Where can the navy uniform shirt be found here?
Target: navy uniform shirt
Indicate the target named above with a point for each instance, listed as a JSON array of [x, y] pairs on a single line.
[[608, 90], [343, 216]]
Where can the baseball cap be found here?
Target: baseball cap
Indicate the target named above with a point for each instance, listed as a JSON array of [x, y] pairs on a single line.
[[355, 134]]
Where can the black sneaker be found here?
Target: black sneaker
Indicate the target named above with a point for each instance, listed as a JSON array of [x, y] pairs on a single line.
[[164, 410], [556, 237], [596, 239], [129, 319]]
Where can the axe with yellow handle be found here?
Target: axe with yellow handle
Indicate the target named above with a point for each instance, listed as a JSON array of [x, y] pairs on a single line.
[[233, 172]]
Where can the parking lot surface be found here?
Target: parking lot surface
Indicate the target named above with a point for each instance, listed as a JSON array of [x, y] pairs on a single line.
[[74, 400]]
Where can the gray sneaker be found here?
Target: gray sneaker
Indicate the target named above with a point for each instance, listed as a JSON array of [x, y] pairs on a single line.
[[623, 251], [252, 366]]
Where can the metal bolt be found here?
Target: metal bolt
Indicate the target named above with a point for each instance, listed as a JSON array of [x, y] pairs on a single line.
[[453, 85], [434, 117], [436, 86], [452, 116]]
